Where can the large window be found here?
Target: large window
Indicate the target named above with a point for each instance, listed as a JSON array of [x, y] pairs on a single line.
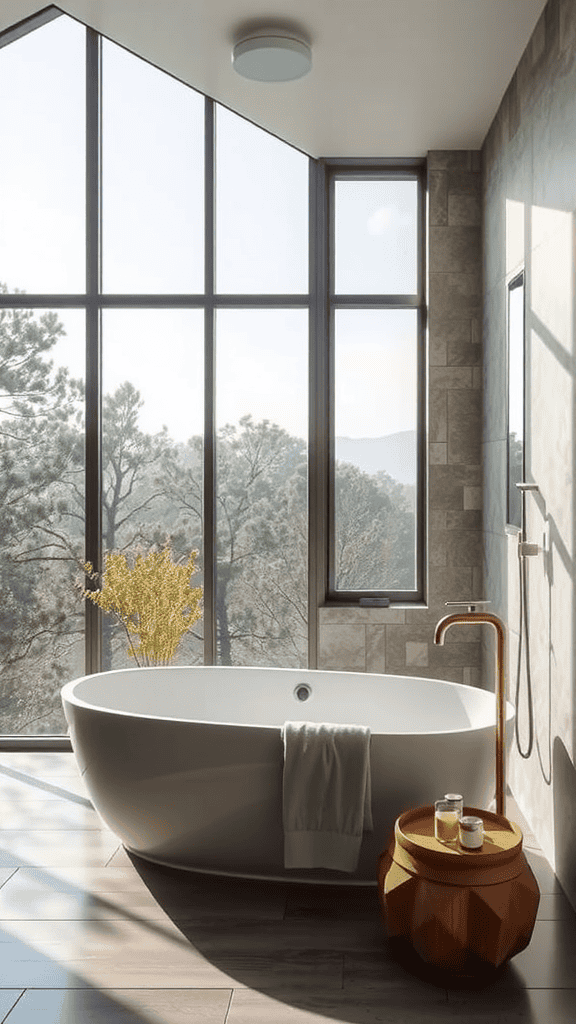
[[376, 383], [206, 339]]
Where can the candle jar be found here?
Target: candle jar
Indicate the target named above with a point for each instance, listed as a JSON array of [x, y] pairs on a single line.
[[457, 802], [446, 819], [471, 832]]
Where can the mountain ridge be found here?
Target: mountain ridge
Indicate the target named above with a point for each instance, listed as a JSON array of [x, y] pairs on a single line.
[[393, 453]]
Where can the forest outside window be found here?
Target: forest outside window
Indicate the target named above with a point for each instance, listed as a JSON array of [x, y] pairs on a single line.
[[161, 314]]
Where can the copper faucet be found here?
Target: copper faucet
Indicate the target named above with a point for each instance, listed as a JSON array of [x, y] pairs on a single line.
[[471, 618]]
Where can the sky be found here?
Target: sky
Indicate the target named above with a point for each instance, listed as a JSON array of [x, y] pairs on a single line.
[[153, 241]]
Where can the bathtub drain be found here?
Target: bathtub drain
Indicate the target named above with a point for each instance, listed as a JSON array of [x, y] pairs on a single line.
[[302, 691]]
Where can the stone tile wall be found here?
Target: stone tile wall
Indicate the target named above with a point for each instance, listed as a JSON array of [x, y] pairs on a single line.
[[529, 218], [399, 640]]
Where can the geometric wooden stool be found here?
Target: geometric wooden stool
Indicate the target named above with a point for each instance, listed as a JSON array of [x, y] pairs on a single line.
[[461, 910]]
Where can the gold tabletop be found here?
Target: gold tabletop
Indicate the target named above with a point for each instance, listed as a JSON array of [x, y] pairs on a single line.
[[414, 832]]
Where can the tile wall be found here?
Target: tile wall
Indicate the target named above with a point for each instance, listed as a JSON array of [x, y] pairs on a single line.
[[398, 640], [529, 203]]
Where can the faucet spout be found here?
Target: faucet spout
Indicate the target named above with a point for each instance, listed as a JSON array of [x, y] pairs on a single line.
[[472, 618]]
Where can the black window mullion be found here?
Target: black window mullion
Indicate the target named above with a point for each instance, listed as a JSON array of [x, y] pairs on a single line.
[[209, 483], [375, 301], [421, 235], [93, 481], [423, 391], [421, 455], [30, 24], [330, 542], [318, 404]]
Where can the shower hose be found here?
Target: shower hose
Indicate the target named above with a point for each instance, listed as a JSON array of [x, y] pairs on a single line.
[[523, 631]]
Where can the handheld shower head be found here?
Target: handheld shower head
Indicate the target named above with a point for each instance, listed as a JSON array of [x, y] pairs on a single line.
[[523, 547]]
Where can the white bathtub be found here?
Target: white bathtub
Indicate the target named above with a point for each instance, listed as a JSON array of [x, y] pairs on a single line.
[[185, 764]]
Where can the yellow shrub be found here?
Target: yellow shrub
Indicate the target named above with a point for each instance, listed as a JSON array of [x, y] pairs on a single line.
[[153, 600]]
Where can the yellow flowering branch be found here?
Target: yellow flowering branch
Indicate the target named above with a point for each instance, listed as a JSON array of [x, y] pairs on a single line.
[[153, 600]]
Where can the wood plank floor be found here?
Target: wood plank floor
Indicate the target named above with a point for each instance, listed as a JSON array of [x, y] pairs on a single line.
[[89, 934]]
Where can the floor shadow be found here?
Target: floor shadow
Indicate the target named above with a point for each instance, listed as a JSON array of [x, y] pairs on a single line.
[[375, 967], [408, 960], [564, 818]]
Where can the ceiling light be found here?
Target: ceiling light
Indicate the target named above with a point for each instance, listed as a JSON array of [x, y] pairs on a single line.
[[272, 58]]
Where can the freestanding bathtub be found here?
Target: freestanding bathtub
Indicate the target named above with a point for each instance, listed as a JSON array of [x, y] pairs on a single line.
[[185, 764]]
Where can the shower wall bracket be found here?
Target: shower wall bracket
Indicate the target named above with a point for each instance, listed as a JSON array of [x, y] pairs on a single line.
[[525, 549]]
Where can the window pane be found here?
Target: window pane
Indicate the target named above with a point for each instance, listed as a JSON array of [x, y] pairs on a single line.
[[153, 416], [261, 504], [376, 237], [515, 400], [42, 170], [153, 178], [261, 211], [41, 515], [376, 446]]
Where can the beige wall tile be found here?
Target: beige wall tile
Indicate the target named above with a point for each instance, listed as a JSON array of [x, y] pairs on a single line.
[[397, 649], [438, 415], [342, 648], [376, 648], [455, 334], [449, 159], [448, 485], [455, 295], [464, 209], [465, 181], [455, 250], [438, 542], [437, 519], [416, 654], [443, 494], [438, 193], [471, 519], [464, 547], [451, 377], [472, 497], [473, 677], [464, 427], [438, 454], [437, 349], [459, 354], [456, 655], [452, 583]]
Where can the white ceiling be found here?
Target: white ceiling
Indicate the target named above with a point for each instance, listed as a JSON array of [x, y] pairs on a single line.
[[389, 77]]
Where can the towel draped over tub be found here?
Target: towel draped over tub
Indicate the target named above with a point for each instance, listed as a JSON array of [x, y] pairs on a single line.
[[326, 794]]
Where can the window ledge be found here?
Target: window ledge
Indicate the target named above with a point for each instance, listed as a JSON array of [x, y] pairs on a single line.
[[350, 614]]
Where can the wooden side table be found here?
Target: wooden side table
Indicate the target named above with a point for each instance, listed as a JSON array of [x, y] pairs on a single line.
[[461, 910]]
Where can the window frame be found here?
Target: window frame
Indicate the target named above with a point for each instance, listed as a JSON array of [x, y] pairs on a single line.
[[321, 302], [517, 280], [354, 169]]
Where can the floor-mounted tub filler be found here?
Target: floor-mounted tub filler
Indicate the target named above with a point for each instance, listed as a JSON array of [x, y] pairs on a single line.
[[185, 764]]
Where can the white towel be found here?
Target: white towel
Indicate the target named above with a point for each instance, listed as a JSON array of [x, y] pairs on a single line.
[[326, 794]]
